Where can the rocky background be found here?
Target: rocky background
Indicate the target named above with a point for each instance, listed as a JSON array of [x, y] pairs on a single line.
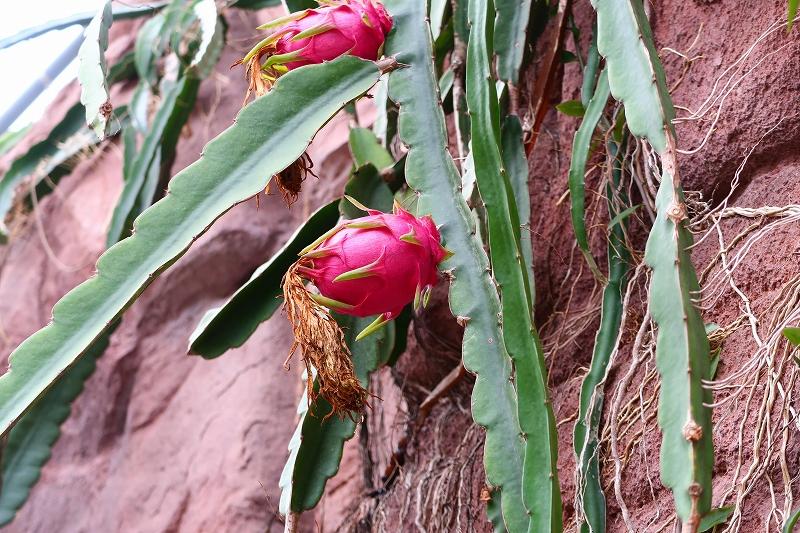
[[164, 442]]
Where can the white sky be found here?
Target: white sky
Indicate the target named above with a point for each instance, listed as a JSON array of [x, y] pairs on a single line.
[[21, 64]]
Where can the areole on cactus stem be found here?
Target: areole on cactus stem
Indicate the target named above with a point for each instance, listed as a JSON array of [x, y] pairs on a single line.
[[373, 265]]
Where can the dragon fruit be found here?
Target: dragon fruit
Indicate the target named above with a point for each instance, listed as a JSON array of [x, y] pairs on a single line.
[[373, 265], [376, 264], [337, 27]]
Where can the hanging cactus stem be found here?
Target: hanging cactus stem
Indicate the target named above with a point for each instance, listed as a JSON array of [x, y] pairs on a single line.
[[331, 303], [373, 327]]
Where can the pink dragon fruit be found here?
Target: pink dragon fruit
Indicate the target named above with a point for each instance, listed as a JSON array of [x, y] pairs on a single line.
[[375, 265], [337, 27]]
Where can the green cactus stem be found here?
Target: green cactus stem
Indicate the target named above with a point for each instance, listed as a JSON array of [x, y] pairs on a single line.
[[637, 79]]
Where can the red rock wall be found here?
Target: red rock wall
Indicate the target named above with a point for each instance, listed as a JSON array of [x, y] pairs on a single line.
[[161, 441], [164, 442]]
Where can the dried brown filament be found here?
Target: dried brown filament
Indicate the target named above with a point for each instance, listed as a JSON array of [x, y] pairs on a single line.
[[322, 346], [259, 79], [290, 180]]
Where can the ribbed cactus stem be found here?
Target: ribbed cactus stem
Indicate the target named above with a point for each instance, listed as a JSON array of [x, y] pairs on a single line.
[[431, 172], [636, 77]]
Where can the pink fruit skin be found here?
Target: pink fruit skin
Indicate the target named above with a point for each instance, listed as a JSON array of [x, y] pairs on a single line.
[[400, 267], [359, 28]]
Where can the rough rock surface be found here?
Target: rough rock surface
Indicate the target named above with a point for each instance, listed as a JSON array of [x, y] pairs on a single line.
[[161, 442]]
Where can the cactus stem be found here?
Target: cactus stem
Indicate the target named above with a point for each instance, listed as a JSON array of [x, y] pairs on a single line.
[[373, 327], [330, 302]]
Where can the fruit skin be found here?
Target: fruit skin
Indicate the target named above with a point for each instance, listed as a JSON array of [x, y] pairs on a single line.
[[337, 27], [357, 27], [377, 264]]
